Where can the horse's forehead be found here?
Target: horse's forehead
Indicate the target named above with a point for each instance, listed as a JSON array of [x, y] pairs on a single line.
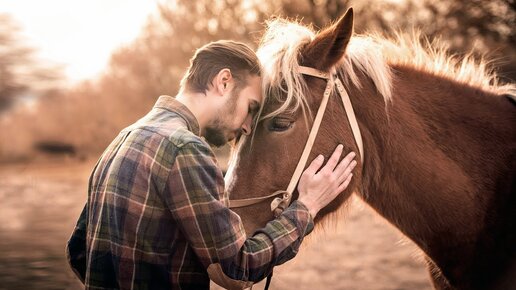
[[271, 103]]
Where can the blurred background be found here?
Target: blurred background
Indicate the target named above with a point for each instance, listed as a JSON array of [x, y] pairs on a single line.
[[73, 73]]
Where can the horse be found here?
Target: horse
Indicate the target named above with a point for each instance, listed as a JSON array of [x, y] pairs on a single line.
[[439, 139]]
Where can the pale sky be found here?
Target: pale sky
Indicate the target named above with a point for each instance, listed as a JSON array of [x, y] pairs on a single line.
[[79, 34]]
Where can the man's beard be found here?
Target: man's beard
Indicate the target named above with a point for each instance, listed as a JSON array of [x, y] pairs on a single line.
[[215, 133], [215, 136]]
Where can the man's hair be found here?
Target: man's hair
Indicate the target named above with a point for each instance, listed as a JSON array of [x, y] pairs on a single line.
[[210, 59]]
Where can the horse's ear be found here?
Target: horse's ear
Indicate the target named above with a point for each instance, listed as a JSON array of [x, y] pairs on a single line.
[[329, 45]]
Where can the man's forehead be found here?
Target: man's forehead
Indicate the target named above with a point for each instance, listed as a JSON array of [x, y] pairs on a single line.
[[257, 95]]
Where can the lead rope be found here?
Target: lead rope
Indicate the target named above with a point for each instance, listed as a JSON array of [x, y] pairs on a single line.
[[268, 282]]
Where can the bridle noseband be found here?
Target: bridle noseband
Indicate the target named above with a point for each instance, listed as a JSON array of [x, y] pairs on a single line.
[[280, 203]]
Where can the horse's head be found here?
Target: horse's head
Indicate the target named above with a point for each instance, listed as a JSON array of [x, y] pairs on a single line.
[[264, 163]]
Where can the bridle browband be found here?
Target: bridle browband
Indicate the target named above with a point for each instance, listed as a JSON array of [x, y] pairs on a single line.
[[280, 203]]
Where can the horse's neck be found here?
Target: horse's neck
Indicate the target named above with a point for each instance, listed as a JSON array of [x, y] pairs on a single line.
[[435, 157]]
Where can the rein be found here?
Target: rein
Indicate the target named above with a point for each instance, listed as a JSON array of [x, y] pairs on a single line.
[[281, 203]]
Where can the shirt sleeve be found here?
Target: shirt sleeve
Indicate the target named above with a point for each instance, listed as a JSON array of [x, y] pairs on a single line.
[[216, 234], [76, 247]]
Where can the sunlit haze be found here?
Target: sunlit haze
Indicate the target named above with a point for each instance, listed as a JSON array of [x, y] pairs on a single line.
[[80, 35]]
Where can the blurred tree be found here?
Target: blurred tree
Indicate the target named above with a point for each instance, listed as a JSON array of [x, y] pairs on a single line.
[[91, 113], [159, 57], [20, 73], [494, 19], [484, 27]]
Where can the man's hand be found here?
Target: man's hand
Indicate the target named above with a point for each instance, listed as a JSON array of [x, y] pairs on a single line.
[[317, 188]]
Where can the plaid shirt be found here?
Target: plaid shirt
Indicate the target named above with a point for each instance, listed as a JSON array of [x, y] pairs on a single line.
[[156, 215]]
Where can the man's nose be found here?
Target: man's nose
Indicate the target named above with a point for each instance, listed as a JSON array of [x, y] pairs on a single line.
[[246, 127]]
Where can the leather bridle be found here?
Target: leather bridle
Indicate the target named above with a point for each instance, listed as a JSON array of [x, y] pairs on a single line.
[[280, 203]]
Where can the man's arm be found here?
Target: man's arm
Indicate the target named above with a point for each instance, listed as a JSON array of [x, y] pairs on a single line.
[[216, 233]]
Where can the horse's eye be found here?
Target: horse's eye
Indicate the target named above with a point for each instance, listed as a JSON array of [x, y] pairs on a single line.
[[279, 124]]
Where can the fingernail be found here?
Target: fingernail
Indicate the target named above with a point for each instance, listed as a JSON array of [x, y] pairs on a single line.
[[340, 146], [353, 154], [320, 157]]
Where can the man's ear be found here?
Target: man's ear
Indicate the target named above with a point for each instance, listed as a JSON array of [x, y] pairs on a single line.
[[223, 81]]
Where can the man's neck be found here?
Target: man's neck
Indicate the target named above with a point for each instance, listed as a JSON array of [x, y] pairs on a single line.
[[196, 103]]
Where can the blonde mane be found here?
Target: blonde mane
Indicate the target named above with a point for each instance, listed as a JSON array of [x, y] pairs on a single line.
[[372, 54]]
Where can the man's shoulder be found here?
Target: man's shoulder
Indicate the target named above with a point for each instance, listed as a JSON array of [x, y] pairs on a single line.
[[168, 128], [177, 137], [182, 137]]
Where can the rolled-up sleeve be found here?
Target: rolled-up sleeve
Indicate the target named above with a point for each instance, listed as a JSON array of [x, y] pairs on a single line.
[[216, 234]]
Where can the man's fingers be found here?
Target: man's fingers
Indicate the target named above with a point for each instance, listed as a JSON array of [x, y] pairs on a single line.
[[345, 184], [345, 163], [347, 171], [314, 165], [334, 159]]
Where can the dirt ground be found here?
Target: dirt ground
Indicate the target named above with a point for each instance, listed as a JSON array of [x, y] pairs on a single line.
[[39, 204]]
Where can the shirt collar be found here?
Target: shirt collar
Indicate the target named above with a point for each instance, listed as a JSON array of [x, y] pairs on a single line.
[[171, 104]]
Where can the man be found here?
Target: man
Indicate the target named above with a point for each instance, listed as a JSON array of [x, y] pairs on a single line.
[[156, 215]]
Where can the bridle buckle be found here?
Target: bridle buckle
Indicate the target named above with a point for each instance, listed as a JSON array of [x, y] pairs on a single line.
[[279, 204]]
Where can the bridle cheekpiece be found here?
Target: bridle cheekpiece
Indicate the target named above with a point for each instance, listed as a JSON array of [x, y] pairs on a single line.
[[281, 203]]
